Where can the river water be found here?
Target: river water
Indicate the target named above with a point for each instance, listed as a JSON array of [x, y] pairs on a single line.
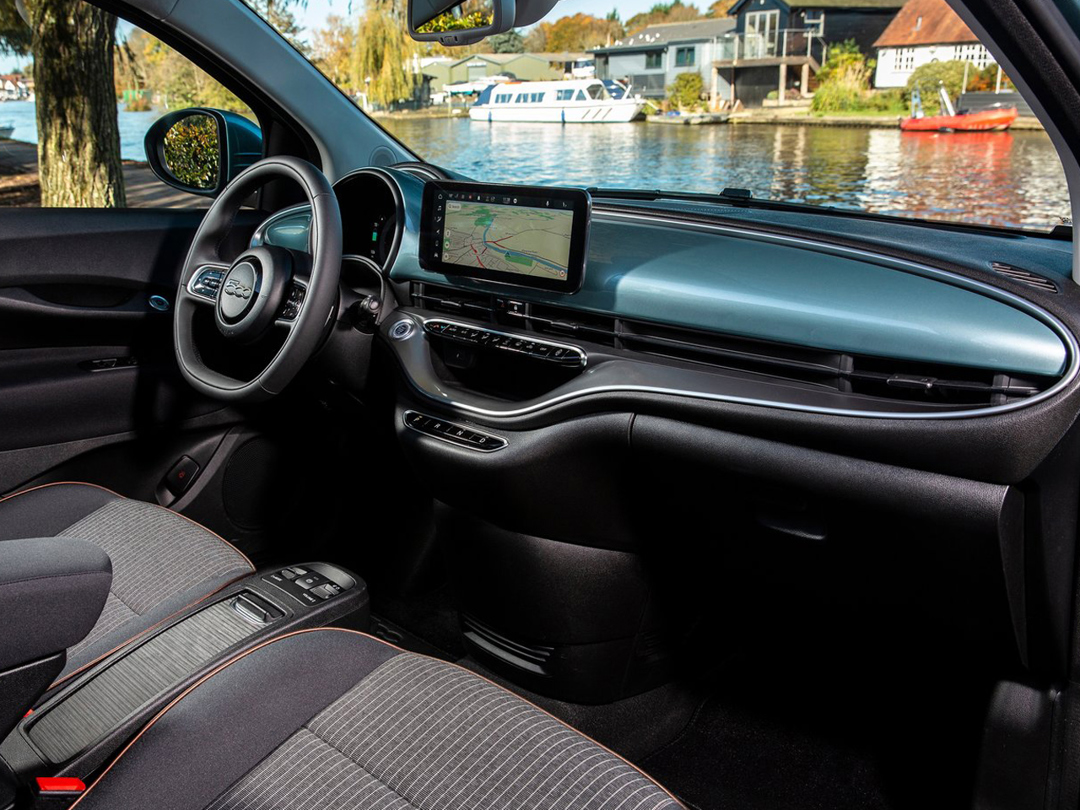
[[997, 178], [1008, 179]]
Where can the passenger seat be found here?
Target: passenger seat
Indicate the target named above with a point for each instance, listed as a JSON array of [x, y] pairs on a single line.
[[161, 561], [335, 719]]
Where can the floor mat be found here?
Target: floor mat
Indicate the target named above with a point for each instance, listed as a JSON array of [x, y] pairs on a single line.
[[763, 740]]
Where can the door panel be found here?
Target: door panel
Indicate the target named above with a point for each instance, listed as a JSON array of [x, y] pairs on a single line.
[[84, 357]]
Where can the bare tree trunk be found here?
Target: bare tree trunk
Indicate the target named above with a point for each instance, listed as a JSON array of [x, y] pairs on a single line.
[[78, 135]]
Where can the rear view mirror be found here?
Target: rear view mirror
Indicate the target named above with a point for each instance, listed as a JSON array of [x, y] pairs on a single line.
[[200, 150], [453, 22]]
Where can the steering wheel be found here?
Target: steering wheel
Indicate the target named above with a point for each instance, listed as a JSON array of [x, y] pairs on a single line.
[[264, 289]]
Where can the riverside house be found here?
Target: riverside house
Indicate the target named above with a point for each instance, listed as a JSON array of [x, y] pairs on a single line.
[[651, 59], [925, 31], [777, 46]]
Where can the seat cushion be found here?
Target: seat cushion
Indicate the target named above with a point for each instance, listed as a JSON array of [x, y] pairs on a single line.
[[336, 719], [162, 562]]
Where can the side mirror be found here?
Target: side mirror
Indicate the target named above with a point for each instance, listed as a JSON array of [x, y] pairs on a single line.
[[200, 150], [459, 22]]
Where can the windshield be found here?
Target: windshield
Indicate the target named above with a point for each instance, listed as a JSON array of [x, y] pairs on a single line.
[[890, 108]]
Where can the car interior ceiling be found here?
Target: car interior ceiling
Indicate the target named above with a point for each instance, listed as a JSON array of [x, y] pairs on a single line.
[[768, 574]]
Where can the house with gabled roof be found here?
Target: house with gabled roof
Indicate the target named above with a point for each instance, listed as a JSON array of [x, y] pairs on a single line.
[[925, 31], [651, 59]]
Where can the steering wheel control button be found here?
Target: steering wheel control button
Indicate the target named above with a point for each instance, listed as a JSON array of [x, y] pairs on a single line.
[[292, 303], [402, 330], [525, 345], [453, 433], [207, 282]]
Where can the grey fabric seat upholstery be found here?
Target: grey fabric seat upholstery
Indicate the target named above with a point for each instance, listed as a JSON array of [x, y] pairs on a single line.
[[336, 719], [161, 561]]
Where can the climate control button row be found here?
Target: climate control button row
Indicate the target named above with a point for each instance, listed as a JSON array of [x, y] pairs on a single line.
[[521, 344]]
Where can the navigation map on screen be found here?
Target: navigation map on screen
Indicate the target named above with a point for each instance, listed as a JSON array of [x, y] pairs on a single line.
[[508, 238]]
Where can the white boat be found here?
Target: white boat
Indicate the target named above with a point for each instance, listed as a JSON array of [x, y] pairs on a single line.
[[572, 101]]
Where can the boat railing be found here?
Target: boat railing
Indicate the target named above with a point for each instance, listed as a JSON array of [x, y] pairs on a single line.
[[785, 43]]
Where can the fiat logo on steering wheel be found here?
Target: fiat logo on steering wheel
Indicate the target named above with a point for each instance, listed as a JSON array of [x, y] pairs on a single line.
[[234, 287]]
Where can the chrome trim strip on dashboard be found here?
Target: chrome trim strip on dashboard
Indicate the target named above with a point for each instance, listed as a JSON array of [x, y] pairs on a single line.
[[549, 402]]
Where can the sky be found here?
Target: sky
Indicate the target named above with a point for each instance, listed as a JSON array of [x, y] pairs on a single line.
[[314, 16]]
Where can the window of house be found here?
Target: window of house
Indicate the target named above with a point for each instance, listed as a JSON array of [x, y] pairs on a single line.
[[815, 22], [654, 60], [685, 57]]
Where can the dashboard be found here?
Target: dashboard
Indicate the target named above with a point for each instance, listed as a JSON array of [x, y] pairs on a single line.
[[844, 330], [793, 375]]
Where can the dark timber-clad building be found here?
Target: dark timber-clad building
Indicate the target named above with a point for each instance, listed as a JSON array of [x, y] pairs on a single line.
[[777, 45]]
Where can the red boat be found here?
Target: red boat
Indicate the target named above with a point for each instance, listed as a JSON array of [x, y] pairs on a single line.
[[997, 119]]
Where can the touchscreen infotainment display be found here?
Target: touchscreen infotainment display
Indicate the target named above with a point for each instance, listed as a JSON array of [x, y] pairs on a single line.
[[528, 236]]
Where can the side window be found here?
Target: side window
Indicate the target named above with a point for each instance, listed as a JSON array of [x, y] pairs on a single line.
[[654, 60], [80, 91]]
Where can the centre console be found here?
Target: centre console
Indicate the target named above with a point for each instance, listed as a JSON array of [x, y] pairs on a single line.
[[84, 721]]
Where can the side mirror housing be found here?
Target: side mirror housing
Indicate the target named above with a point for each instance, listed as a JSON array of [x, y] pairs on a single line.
[[200, 150], [444, 21]]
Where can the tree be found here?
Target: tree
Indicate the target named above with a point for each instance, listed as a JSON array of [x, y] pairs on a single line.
[[72, 44], [279, 14], [383, 56], [332, 51], [720, 8], [507, 42], [675, 11], [578, 32], [175, 81]]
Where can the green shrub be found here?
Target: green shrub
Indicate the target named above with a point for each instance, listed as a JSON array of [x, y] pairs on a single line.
[[686, 92], [932, 75], [845, 80], [192, 151]]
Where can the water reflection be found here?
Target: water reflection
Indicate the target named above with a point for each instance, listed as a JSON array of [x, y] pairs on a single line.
[[1006, 179]]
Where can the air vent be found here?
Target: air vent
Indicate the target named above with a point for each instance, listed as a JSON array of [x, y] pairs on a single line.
[[1024, 277], [530, 657], [453, 301], [572, 323], [726, 351], [866, 375], [932, 383]]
